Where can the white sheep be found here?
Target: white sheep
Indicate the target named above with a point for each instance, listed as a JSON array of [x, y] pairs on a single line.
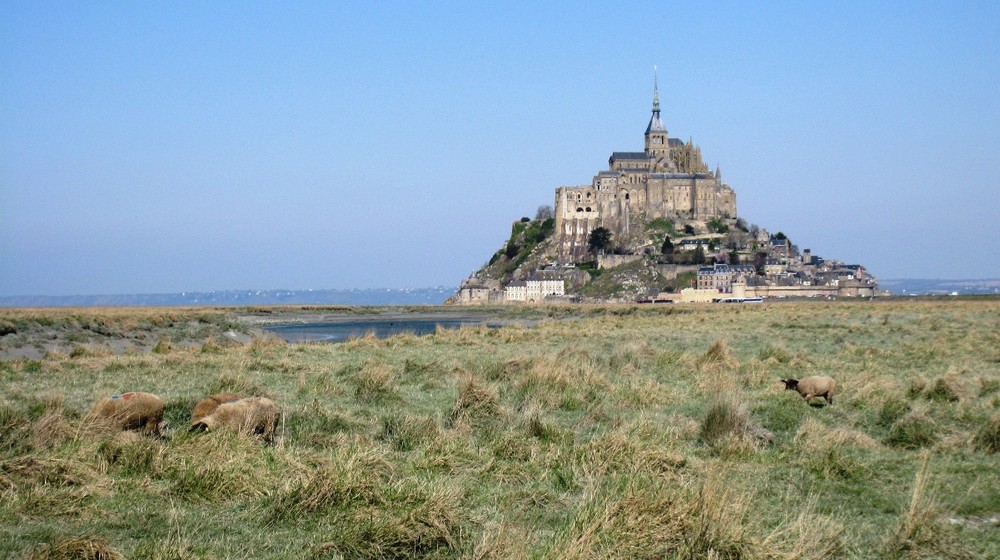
[[128, 411], [813, 386], [251, 415]]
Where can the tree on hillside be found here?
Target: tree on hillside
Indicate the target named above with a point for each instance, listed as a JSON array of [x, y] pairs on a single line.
[[699, 255], [668, 246], [544, 212], [759, 261], [600, 239]]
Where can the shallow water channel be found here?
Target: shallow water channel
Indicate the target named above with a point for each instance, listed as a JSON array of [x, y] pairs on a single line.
[[382, 327]]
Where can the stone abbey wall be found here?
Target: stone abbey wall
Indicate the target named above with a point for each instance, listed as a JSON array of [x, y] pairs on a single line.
[[667, 180]]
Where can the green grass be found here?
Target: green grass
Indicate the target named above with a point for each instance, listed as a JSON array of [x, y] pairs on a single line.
[[603, 432]]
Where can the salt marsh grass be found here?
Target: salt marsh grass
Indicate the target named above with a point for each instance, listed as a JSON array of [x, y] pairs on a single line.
[[601, 432]]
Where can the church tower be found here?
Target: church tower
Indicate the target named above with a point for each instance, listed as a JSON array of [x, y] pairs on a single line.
[[657, 144]]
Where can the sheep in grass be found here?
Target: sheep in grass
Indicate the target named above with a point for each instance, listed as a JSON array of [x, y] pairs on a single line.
[[128, 411], [210, 403], [812, 386], [251, 415]]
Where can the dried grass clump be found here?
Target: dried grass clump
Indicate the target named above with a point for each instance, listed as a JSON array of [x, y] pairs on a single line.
[[474, 403], [239, 384], [630, 354], [813, 435], [352, 477], [945, 389], [500, 540], [163, 347], [891, 411], [808, 536], [645, 517], [922, 532], [774, 354], [624, 450], [405, 432], [77, 548], [265, 344], [423, 521], [571, 383], [831, 453], [374, 382], [50, 430], [718, 356], [913, 431], [226, 466], [727, 421], [988, 437]]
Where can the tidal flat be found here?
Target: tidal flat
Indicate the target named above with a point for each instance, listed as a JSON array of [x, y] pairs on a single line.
[[606, 431]]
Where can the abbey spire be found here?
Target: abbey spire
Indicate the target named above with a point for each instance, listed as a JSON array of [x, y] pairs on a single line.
[[657, 146], [655, 124]]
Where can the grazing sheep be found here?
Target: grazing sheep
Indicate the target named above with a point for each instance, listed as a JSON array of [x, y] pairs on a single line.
[[128, 411], [813, 386], [210, 403], [252, 415]]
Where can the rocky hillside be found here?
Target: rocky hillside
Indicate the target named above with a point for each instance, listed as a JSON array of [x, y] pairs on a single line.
[[628, 268], [660, 255]]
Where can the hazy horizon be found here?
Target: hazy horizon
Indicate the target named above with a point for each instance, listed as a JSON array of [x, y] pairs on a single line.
[[168, 148]]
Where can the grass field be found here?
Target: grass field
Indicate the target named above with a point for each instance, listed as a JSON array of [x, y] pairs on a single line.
[[602, 432]]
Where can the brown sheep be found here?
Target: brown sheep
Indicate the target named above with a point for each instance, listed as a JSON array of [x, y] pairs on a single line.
[[252, 415], [210, 403], [128, 411], [813, 386]]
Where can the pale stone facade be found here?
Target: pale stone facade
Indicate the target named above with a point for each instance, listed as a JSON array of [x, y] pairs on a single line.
[[533, 291], [720, 277], [666, 180]]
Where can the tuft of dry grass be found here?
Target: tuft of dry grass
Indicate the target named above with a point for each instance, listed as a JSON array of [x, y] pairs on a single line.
[[806, 535], [922, 532], [474, 403], [375, 381], [77, 548], [727, 424], [987, 438], [718, 356]]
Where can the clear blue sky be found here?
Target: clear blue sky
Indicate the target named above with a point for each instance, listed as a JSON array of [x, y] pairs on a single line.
[[150, 147]]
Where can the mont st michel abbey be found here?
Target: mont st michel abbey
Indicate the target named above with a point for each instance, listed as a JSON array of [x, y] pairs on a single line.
[[666, 180], [658, 226]]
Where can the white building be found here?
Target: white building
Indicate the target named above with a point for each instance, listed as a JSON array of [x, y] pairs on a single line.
[[533, 291]]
